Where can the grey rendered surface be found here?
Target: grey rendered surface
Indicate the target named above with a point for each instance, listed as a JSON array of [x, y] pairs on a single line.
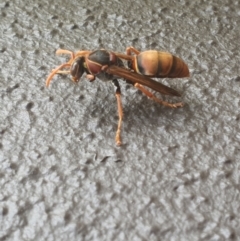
[[176, 176]]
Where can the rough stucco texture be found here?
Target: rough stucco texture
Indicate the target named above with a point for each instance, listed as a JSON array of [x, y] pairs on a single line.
[[176, 177]]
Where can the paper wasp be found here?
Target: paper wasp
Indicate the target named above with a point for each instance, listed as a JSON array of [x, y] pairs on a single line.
[[108, 66]]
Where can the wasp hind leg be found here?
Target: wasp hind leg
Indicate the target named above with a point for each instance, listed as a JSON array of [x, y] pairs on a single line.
[[120, 111], [153, 97], [131, 49]]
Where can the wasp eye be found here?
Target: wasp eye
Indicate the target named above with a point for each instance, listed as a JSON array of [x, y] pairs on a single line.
[[77, 69]]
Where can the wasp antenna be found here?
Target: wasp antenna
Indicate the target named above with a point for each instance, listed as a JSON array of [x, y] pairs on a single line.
[[55, 72]]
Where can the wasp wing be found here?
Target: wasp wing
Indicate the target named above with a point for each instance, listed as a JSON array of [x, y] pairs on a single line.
[[141, 79]]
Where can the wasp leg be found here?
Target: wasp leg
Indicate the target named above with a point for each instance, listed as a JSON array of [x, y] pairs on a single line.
[[90, 77], [152, 96], [124, 56], [131, 49], [64, 51], [81, 53], [120, 111]]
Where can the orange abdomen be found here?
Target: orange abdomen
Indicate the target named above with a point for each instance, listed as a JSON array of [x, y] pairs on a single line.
[[160, 64]]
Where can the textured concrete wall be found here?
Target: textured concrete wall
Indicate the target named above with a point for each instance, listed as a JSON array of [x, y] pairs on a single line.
[[176, 177]]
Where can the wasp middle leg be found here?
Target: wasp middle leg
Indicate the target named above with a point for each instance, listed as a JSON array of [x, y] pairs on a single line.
[[120, 111]]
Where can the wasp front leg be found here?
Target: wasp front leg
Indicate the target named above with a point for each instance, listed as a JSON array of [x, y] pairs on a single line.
[[90, 77], [64, 51], [120, 111], [153, 97]]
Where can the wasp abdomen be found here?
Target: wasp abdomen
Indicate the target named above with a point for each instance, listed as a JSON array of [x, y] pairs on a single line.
[[160, 64]]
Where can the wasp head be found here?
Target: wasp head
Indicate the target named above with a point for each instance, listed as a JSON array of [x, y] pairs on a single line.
[[77, 68]]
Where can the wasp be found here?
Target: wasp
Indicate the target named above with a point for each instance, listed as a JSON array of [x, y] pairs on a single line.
[[108, 66]]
